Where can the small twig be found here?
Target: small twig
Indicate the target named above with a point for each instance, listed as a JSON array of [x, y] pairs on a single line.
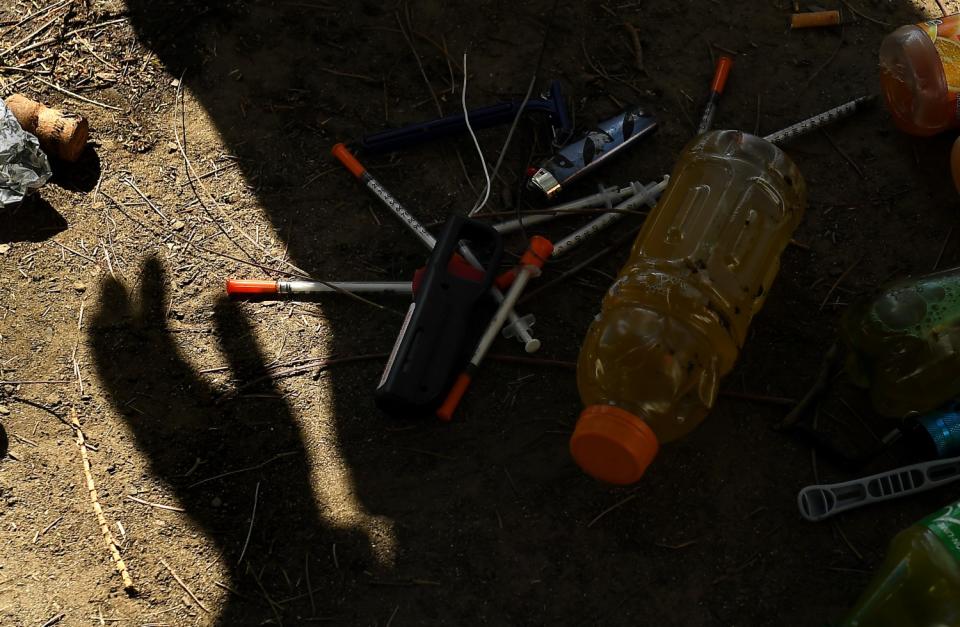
[[677, 547], [306, 569], [242, 470], [732, 53], [838, 281], [846, 540], [69, 93], [171, 508], [817, 389], [366, 79], [124, 210], [47, 528], [43, 407], [392, 615], [229, 589], [70, 250], [35, 15], [759, 398], [513, 484], [98, 510], [864, 15], [943, 9], [273, 604], [756, 124], [253, 515], [185, 587], [29, 37], [946, 239], [129, 181], [403, 582], [611, 508], [637, 48], [580, 266], [53, 621], [836, 51], [863, 423], [86, 44], [442, 49], [191, 173], [853, 164], [428, 453], [24, 440], [52, 381], [416, 56]]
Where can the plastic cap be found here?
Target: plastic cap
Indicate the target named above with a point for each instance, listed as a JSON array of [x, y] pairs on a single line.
[[613, 445], [242, 286], [538, 252], [721, 73], [344, 156]]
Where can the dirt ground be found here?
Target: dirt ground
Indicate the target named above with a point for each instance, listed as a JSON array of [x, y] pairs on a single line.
[[287, 496]]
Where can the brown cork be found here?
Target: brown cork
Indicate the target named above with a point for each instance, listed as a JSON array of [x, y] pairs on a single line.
[[61, 135]]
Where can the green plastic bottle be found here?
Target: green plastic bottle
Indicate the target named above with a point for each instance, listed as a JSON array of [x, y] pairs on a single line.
[[918, 584], [904, 344]]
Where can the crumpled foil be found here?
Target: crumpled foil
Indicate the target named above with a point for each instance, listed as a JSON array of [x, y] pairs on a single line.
[[23, 166]]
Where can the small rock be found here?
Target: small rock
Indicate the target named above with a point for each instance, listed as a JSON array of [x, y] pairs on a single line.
[[172, 146], [80, 287], [133, 490], [4, 249], [4, 410], [216, 501], [175, 82], [179, 225], [9, 389]]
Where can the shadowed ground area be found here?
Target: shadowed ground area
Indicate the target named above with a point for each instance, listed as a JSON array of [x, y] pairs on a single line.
[[299, 499]]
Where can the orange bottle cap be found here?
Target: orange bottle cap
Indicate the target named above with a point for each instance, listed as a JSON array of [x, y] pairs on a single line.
[[613, 445]]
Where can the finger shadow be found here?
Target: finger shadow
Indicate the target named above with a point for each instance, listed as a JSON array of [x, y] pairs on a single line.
[[237, 464]]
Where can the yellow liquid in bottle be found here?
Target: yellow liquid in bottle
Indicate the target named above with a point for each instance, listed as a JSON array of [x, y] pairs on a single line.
[[674, 321]]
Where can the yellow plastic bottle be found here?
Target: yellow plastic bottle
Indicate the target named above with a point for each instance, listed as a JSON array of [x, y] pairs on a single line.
[[674, 321]]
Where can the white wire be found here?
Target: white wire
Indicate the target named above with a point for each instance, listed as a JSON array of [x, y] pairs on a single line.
[[506, 143], [483, 162]]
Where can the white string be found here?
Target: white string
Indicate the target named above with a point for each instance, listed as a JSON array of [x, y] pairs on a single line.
[[506, 143], [483, 162]]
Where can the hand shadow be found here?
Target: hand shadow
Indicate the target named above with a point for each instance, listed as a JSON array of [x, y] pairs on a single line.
[[178, 423]]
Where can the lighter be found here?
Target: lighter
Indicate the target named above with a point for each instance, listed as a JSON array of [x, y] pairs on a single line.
[[578, 158]]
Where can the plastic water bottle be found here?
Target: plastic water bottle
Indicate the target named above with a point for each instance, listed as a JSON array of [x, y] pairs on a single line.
[[920, 75], [918, 584], [675, 319], [904, 344]]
